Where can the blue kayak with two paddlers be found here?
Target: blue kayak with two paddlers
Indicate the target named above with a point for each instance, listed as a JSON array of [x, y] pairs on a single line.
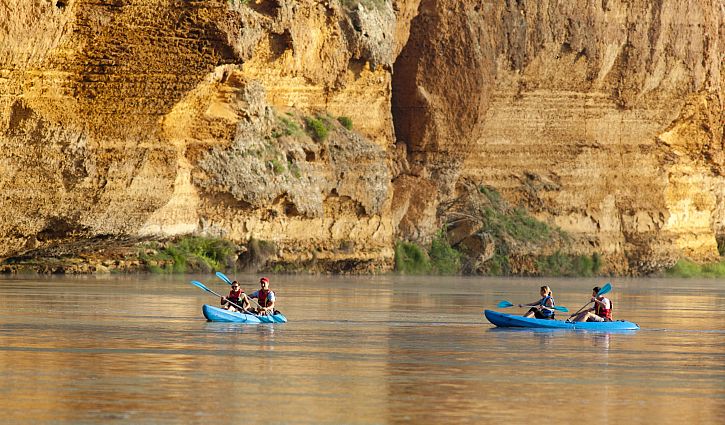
[[215, 314], [593, 319], [504, 320]]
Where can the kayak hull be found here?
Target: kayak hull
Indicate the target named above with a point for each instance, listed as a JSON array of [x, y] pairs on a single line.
[[504, 320], [215, 314]]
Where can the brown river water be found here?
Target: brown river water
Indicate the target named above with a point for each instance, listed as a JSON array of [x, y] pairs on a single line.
[[364, 350]]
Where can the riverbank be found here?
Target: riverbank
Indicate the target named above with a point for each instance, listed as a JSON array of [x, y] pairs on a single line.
[[205, 255]]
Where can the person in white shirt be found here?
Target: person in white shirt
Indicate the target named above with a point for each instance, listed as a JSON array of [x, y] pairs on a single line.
[[600, 312]]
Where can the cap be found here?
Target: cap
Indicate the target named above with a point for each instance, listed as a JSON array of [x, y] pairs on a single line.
[[264, 279]]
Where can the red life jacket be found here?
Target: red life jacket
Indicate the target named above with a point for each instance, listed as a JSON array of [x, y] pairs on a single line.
[[262, 297], [600, 311], [235, 297]]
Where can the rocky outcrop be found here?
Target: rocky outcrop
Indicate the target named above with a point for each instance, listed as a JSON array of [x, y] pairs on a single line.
[[147, 119]]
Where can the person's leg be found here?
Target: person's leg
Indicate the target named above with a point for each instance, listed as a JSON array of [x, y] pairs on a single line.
[[581, 317], [530, 313], [594, 318]]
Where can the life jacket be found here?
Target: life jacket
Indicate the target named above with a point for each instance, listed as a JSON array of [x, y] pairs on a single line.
[[262, 296], [235, 297], [600, 311], [545, 311]]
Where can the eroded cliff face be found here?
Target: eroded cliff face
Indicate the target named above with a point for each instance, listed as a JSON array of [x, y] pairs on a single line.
[[604, 119], [156, 118], [160, 118]]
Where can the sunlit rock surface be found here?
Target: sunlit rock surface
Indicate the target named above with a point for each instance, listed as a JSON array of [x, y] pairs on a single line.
[[150, 119]]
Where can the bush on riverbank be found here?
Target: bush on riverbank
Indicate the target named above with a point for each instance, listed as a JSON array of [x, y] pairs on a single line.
[[561, 264], [687, 268], [441, 258], [189, 254]]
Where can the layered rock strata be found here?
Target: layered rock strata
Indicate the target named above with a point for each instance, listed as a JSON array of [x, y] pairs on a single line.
[[157, 118]]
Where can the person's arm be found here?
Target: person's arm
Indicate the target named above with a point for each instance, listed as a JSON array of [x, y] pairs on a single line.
[[604, 303], [271, 300], [549, 305], [245, 302], [535, 303]]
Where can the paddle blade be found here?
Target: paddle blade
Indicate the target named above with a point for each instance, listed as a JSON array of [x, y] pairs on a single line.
[[504, 304], [561, 308], [223, 277], [605, 289], [200, 285]]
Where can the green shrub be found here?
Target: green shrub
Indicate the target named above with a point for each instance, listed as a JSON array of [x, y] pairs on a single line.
[[317, 128], [277, 166], [411, 259], [499, 265], [289, 127], [596, 263], [493, 196], [444, 259], [190, 254], [561, 264], [687, 268], [346, 122]]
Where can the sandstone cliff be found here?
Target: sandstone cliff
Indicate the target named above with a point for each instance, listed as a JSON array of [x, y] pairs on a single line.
[[155, 118]]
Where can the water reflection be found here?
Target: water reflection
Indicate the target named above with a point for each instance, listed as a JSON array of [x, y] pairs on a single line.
[[383, 350]]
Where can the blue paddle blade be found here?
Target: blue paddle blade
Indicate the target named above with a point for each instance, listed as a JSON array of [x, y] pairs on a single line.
[[504, 304], [223, 277], [605, 289], [561, 308], [200, 285]]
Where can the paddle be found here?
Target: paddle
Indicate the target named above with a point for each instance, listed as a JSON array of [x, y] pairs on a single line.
[[605, 289], [202, 286], [507, 304], [224, 277]]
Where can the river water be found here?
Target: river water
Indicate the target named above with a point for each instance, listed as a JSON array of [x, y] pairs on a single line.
[[365, 350]]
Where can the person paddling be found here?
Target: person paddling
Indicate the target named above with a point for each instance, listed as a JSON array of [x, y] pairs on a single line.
[[265, 297], [236, 296], [544, 308], [601, 312]]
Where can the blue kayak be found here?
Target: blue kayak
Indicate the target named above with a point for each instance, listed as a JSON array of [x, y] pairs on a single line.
[[504, 320], [215, 314]]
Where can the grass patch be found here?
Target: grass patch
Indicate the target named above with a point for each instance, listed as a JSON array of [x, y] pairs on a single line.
[[286, 127], [513, 228], [441, 258], [317, 128], [444, 259], [277, 166], [561, 264], [411, 259], [190, 254], [687, 268], [346, 122]]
